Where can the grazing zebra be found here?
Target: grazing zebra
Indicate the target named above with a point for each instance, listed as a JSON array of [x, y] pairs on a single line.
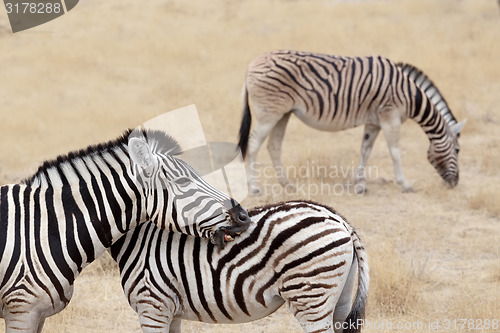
[[55, 223], [334, 93], [298, 252]]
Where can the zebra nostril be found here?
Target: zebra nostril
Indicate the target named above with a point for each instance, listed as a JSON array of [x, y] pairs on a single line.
[[243, 218]]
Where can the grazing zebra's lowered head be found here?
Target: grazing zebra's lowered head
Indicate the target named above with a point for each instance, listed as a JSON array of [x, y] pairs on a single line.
[[443, 149], [194, 207], [443, 155], [58, 221]]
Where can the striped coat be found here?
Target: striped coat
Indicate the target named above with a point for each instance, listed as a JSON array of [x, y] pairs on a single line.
[[300, 253], [334, 93], [58, 221]]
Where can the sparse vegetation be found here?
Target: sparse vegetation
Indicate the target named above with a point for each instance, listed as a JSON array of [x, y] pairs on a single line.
[[486, 198], [395, 289], [110, 65]]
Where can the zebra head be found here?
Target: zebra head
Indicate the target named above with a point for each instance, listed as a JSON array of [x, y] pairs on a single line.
[[443, 154], [177, 198]]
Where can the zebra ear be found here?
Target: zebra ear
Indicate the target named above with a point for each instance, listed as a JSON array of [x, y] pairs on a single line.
[[456, 128], [141, 155]]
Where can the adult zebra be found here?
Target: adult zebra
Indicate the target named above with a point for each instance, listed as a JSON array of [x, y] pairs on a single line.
[[298, 252], [334, 93], [58, 221]]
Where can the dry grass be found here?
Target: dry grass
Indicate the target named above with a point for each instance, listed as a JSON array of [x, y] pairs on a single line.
[[110, 65], [486, 198], [395, 291]]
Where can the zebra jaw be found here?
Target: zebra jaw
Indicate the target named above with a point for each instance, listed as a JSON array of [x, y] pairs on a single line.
[[222, 236]]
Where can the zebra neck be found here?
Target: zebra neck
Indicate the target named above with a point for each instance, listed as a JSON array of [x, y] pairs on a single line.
[[92, 201], [430, 90], [426, 114]]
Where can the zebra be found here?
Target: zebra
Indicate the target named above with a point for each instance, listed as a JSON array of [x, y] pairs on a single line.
[[333, 93], [299, 252], [53, 224]]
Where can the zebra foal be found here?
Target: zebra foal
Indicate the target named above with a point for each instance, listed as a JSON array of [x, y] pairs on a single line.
[[298, 252], [334, 93], [55, 223]]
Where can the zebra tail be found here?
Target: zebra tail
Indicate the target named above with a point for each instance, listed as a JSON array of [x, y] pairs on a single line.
[[355, 319], [246, 122]]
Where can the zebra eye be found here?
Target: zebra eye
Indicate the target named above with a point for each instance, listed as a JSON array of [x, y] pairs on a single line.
[[457, 150], [182, 181]]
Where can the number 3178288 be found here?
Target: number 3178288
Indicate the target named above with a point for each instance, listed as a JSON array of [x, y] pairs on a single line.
[[33, 8]]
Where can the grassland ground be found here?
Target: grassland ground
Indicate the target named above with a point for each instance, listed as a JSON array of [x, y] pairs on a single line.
[[110, 65]]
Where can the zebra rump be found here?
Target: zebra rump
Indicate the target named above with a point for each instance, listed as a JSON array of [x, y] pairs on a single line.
[[298, 252]]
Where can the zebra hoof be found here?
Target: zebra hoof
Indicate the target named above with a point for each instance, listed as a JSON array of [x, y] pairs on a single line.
[[254, 191], [360, 188], [408, 189]]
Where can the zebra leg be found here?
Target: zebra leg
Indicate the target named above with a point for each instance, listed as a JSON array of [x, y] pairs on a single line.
[[274, 147], [156, 323], [176, 325], [344, 304], [369, 135], [40, 325], [310, 325], [23, 322], [155, 314], [312, 308], [263, 127], [390, 122]]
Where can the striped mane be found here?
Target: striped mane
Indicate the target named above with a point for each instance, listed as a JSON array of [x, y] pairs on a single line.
[[160, 141], [430, 89], [289, 205]]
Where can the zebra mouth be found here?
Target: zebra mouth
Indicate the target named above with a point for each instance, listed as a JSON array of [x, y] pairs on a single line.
[[452, 182], [238, 220], [450, 179], [223, 236]]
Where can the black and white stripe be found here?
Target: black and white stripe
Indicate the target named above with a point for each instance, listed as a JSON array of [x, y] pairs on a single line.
[[58, 221], [298, 252], [334, 93], [430, 90]]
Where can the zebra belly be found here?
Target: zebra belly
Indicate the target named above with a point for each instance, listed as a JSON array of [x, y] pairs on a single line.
[[322, 124], [237, 317], [260, 312]]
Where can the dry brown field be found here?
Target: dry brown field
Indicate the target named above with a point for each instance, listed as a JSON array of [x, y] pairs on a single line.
[[110, 65]]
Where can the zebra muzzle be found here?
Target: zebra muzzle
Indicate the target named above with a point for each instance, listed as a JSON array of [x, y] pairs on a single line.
[[238, 220], [222, 236]]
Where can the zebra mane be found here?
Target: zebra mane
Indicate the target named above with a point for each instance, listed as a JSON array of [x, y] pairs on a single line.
[[430, 89], [287, 205], [159, 141]]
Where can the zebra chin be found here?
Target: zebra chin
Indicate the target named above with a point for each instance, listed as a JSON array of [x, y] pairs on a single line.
[[452, 182], [221, 237], [451, 179]]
